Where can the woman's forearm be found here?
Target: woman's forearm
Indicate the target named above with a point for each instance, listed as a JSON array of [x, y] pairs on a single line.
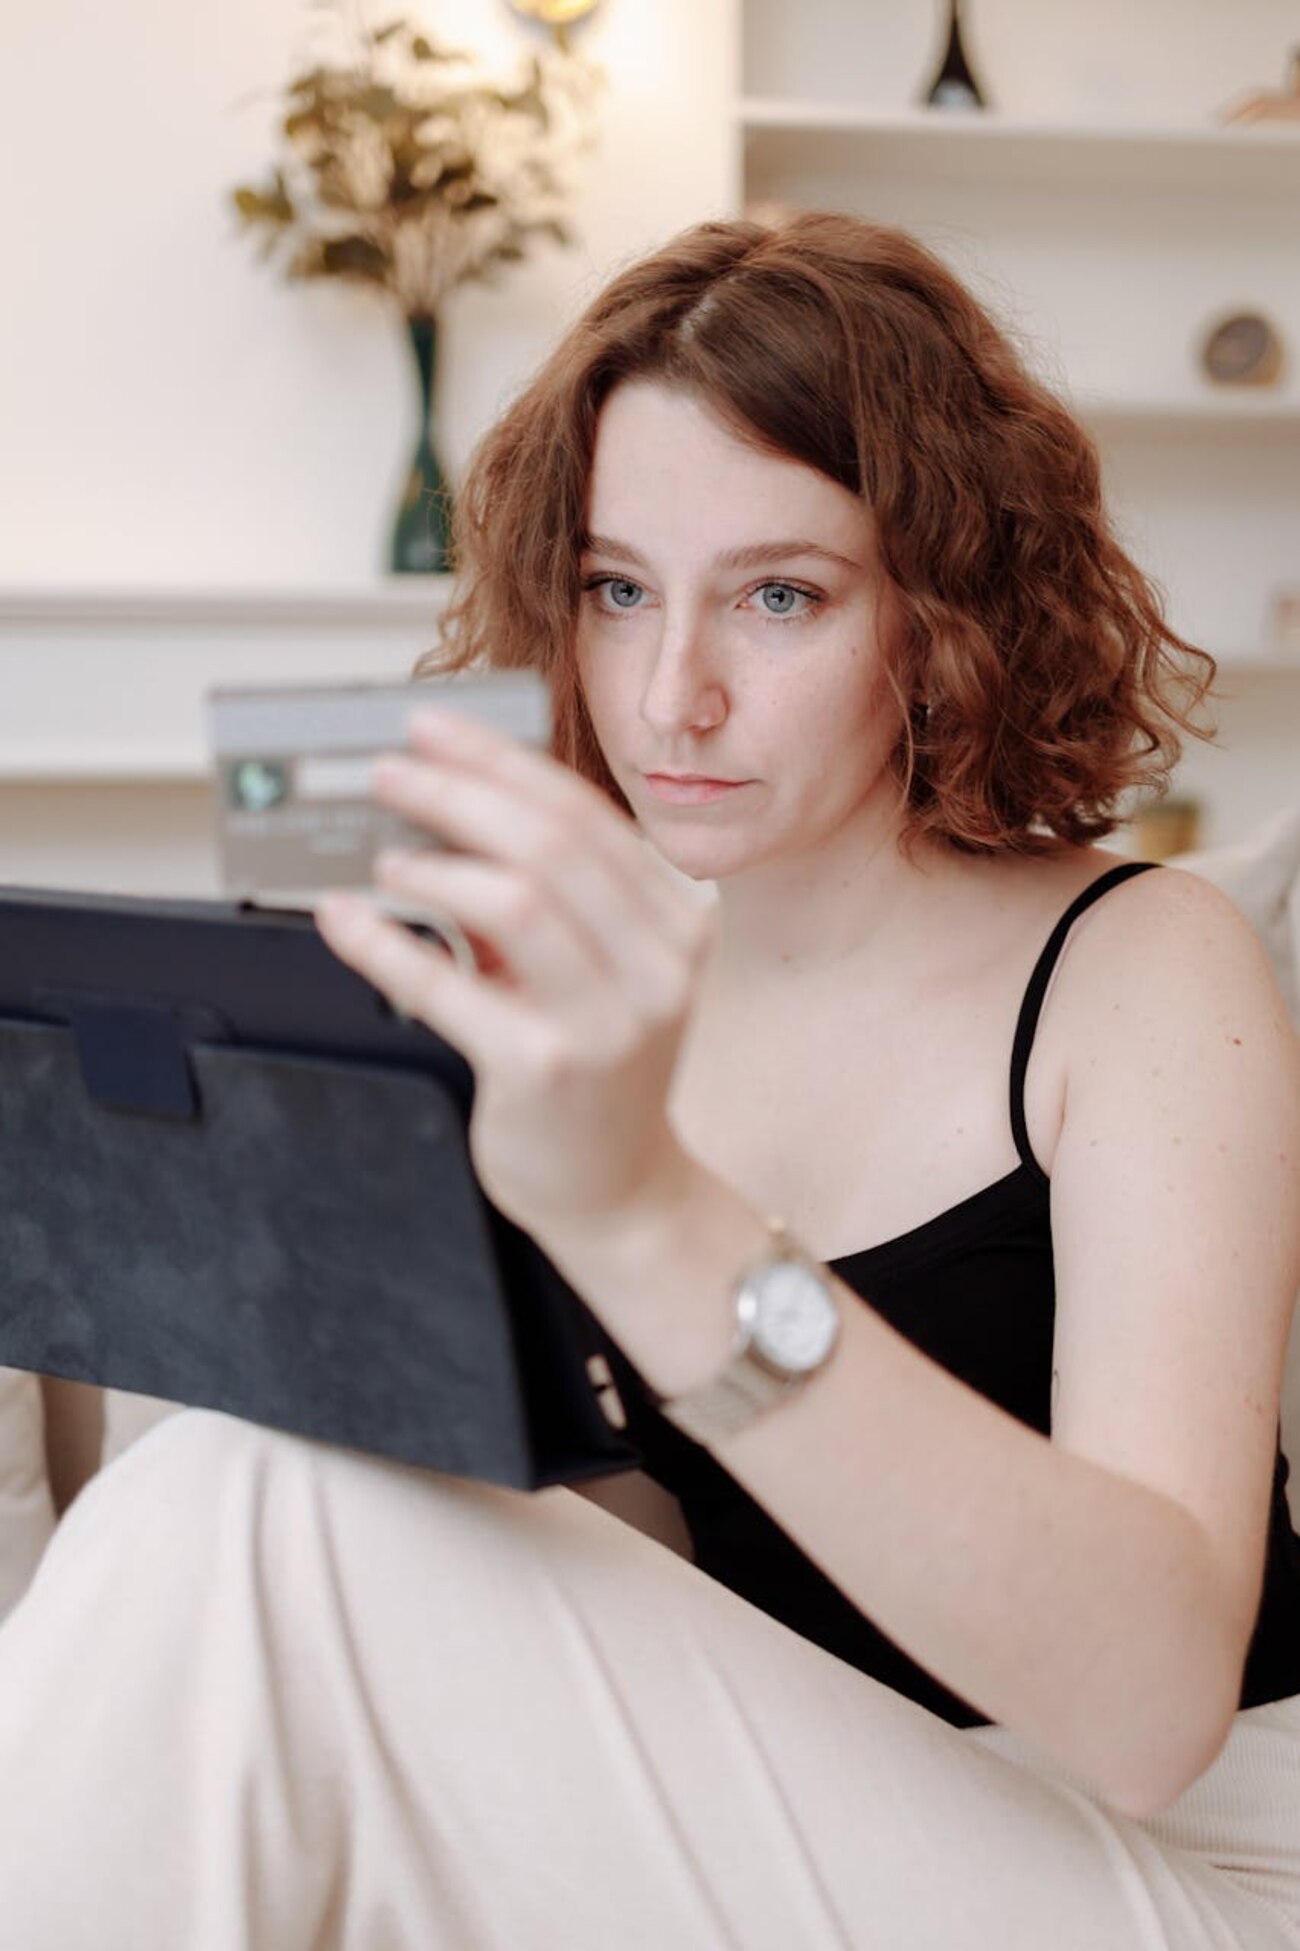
[[1073, 1605]]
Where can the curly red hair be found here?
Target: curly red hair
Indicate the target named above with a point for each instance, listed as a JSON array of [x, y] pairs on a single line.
[[1037, 679]]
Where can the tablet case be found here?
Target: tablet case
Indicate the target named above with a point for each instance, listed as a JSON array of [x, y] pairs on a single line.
[[231, 1177]]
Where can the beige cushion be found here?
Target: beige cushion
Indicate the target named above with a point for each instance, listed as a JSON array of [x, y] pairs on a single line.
[[26, 1506]]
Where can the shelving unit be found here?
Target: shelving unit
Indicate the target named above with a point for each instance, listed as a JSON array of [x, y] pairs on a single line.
[[1109, 249], [992, 150]]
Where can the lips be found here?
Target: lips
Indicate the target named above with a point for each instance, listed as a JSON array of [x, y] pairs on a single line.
[[691, 788], [693, 779]]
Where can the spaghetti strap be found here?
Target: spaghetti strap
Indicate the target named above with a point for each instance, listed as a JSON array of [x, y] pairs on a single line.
[[1035, 991]]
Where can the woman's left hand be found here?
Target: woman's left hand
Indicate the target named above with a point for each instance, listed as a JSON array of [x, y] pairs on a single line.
[[589, 961]]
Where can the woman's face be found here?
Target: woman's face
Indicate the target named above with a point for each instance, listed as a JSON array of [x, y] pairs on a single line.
[[728, 640]]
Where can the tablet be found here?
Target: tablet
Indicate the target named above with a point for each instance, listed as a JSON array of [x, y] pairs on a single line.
[[232, 1177]]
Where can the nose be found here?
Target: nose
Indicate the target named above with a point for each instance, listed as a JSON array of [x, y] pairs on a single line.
[[684, 689]]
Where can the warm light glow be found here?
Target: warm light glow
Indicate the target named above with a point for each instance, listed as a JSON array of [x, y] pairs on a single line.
[[556, 13]]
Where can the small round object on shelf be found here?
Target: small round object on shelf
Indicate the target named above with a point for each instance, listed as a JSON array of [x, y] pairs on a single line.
[[1243, 349]]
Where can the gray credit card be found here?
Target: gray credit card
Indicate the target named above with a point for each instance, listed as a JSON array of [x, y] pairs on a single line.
[[293, 772]]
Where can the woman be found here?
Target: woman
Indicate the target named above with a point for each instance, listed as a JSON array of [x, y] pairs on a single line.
[[973, 1652]]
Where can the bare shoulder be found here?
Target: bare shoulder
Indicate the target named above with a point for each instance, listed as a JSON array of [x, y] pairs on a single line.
[[1171, 940], [1161, 973], [1168, 980]]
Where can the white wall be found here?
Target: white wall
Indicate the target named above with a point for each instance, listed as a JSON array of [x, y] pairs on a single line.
[[170, 411]]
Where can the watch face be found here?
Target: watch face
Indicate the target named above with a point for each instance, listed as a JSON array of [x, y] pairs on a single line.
[[793, 1317]]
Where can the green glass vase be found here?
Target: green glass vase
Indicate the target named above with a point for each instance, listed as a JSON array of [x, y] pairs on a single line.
[[422, 532]]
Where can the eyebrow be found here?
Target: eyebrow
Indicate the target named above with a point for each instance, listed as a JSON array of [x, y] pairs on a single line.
[[756, 555]]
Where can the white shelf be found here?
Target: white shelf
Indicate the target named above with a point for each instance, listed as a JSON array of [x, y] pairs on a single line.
[[398, 597], [1255, 665], [1255, 410], [103, 765], [982, 148], [108, 686]]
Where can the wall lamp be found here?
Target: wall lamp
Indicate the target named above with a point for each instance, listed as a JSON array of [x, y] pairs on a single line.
[[559, 15]]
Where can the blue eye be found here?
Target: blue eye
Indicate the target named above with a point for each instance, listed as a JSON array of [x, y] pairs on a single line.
[[620, 591], [784, 599]]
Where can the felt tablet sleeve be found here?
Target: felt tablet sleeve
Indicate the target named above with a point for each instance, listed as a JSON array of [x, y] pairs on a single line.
[[295, 1236]]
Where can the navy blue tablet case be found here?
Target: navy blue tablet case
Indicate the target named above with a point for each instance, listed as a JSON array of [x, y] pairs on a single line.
[[231, 1177]]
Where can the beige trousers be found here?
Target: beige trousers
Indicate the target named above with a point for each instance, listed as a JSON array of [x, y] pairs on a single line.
[[267, 1694]]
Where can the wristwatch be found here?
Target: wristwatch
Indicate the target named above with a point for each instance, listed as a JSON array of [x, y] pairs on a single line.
[[787, 1326]]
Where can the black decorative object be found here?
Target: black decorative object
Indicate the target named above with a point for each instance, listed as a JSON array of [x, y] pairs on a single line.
[[954, 85]]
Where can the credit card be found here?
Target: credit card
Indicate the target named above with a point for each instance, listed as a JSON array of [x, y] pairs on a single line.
[[293, 768]]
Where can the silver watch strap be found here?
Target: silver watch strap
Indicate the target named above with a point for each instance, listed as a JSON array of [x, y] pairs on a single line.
[[728, 1403], [745, 1387]]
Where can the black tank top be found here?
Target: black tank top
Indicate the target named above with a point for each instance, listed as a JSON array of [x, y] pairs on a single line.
[[974, 1289]]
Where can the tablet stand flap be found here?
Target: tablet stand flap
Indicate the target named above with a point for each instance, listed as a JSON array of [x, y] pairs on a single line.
[[133, 1051], [133, 1059], [313, 1252]]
